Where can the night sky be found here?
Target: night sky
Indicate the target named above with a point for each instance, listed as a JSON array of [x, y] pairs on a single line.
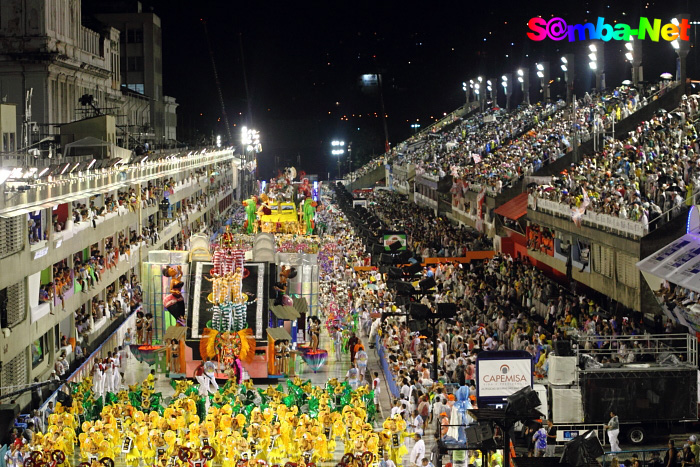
[[304, 61]]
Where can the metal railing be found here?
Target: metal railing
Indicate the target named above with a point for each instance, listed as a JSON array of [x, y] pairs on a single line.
[[645, 456], [669, 349]]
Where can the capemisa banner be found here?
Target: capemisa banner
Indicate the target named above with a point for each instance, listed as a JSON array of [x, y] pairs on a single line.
[[502, 377]]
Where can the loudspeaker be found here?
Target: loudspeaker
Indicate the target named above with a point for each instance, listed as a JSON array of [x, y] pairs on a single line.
[[8, 413], [65, 399], [402, 300], [562, 348], [417, 325], [482, 435], [522, 402], [386, 258], [395, 273], [413, 269], [395, 246], [427, 284], [582, 450], [402, 288], [403, 256], [592, 444], [377, 249], [419, 311], [447, 310]]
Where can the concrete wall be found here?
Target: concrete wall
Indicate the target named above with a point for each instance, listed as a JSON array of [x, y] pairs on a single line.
[[102, 127], [368, 180]]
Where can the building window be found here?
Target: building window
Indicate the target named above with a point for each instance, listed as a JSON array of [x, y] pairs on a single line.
[[5, 142], [39, 349], [12, 142], [135, 87], [134, 36], [134, 64]]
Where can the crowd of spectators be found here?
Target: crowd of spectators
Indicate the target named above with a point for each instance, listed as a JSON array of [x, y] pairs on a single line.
[[427, 234], [648, 175], [493, 149], [498, 308]]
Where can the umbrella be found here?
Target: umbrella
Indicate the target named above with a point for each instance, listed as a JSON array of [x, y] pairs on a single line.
[[627, 82], [666, 75]]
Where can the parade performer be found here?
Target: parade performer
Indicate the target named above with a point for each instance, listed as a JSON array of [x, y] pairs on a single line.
[[308, 211], [250, 208], [175, 304]]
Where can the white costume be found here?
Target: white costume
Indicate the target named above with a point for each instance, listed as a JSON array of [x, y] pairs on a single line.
[[97, 383], [116, 379], [207, 383], [107, 378]]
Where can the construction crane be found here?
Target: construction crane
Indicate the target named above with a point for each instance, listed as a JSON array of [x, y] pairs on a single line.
[[218, 84]]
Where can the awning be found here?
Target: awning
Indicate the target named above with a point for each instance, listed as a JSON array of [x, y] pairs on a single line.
[[515, 208], [678, 262], [284, 312], [301, 305], [31, 207], [279, 334]]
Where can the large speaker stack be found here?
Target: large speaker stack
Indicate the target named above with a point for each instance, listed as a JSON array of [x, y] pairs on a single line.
[[8, 413]]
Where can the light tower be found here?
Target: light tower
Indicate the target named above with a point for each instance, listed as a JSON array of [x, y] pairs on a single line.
[[597, 64], [567, 65], [543, 75], [507, 83], [524, 80]]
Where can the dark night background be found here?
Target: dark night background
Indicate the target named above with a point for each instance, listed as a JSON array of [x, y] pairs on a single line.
[[304, 60]]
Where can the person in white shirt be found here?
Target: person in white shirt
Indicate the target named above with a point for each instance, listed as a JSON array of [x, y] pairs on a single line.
[[396, 409], [116, 378], [418, 451], [417, 423], [405, 390], [386, 462], [376, 388]]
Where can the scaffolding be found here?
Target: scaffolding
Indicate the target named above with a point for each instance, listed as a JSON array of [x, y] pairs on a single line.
[[636, 352]]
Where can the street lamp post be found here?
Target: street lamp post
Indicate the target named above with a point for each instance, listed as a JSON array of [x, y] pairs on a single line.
[[597, 64], [543, 75], [682, 47], [480, 90], [506, 82], [338, 149], [524, 80], [250, 142], [465, 88], [633, 55], [493, 90], [567, 65]]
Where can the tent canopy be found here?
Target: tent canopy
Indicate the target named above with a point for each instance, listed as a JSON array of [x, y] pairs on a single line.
[[284, 312], [677, 262], [515, 208], [279, 334]]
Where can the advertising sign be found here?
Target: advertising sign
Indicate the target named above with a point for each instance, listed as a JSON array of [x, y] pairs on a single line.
[[395, 237], [500, 374]]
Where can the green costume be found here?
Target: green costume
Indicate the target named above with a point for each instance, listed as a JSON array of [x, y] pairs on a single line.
[[250, 206], [308, 215]]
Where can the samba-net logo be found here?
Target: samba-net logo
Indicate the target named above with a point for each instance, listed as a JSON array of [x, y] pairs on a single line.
[[556, 29]]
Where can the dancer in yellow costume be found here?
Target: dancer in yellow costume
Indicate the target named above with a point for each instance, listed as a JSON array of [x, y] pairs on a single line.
[[397, 429]]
